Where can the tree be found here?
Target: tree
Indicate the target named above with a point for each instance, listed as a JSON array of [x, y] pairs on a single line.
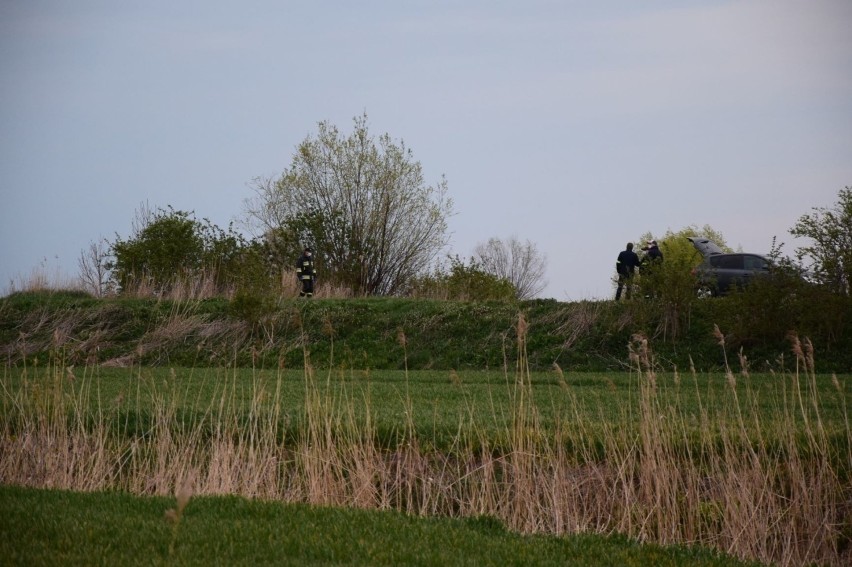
[[519, 263], [363, 206], [94, 270], [234, 262], [167, 247], [172, 247], [830, 252]]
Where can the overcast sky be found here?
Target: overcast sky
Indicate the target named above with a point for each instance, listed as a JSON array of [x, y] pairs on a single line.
[[578, 125]]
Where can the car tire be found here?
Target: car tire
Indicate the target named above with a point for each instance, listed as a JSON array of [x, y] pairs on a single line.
[[704, 292]]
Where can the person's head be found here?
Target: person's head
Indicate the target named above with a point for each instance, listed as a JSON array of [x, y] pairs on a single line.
[[307, 251], [652, 244], [630, 246]]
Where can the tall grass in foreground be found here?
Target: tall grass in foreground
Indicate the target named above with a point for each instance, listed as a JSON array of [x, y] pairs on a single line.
[[756, 491]]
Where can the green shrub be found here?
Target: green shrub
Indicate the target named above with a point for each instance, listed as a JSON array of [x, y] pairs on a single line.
[[250, 307]]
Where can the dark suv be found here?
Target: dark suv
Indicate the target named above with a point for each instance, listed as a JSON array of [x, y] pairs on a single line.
[[721, 272]]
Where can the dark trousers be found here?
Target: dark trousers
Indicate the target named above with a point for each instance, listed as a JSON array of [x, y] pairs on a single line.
[[307, 288], [623, 282]]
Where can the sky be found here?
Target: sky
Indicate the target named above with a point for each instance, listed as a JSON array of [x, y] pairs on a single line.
[[578, 125]]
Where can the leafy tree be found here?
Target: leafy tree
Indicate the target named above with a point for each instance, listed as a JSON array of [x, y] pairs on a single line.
[[672, 282], [169, 246], [830, 252], [519, 263], [363, 205], [675, 276], [234, 261]]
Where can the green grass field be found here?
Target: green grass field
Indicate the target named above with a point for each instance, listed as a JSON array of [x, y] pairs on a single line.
[[51, 527], [436, 404]]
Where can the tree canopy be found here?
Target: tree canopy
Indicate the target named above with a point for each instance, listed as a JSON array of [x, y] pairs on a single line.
[[678, 250], [830, 250], [361, 203], [171, 247]]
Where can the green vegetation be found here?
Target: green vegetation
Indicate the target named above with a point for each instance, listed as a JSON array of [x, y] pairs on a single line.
[[739, 462], [830, 247], [464, 282], [172, 248], [737, 440], [268, 332], [437, 406], [362, 203], [52, 527]]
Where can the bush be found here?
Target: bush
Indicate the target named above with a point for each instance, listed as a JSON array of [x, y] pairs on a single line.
[[250, 307], [464, 283], [671, 285], [175, 250]]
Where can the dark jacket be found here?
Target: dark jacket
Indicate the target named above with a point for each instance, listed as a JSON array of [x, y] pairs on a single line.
[[654, 254], [627, 262]]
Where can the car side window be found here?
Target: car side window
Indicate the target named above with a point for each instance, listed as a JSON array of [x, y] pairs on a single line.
[[756, 263]]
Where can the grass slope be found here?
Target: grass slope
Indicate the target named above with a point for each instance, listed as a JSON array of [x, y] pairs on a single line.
[[388, 333]]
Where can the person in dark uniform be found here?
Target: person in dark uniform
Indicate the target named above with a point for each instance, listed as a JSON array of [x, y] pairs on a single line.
[[306, 273], [626, 266]]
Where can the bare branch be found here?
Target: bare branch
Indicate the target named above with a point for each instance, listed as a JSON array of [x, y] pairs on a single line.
[[520, 263], [94, 274]]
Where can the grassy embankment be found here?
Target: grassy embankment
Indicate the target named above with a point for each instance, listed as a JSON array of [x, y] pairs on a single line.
[[363, 333]]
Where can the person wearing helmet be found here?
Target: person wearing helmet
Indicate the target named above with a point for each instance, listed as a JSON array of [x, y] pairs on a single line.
[[306, 273]]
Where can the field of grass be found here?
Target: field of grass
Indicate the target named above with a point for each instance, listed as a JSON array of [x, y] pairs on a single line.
[[436, 405], [53, 527]]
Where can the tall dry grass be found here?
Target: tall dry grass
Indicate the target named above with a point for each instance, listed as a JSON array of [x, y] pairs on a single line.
[[757, 491], [202, 286], [43, 277]]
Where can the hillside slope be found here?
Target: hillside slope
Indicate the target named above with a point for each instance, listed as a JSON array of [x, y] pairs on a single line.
[[393, 332]]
